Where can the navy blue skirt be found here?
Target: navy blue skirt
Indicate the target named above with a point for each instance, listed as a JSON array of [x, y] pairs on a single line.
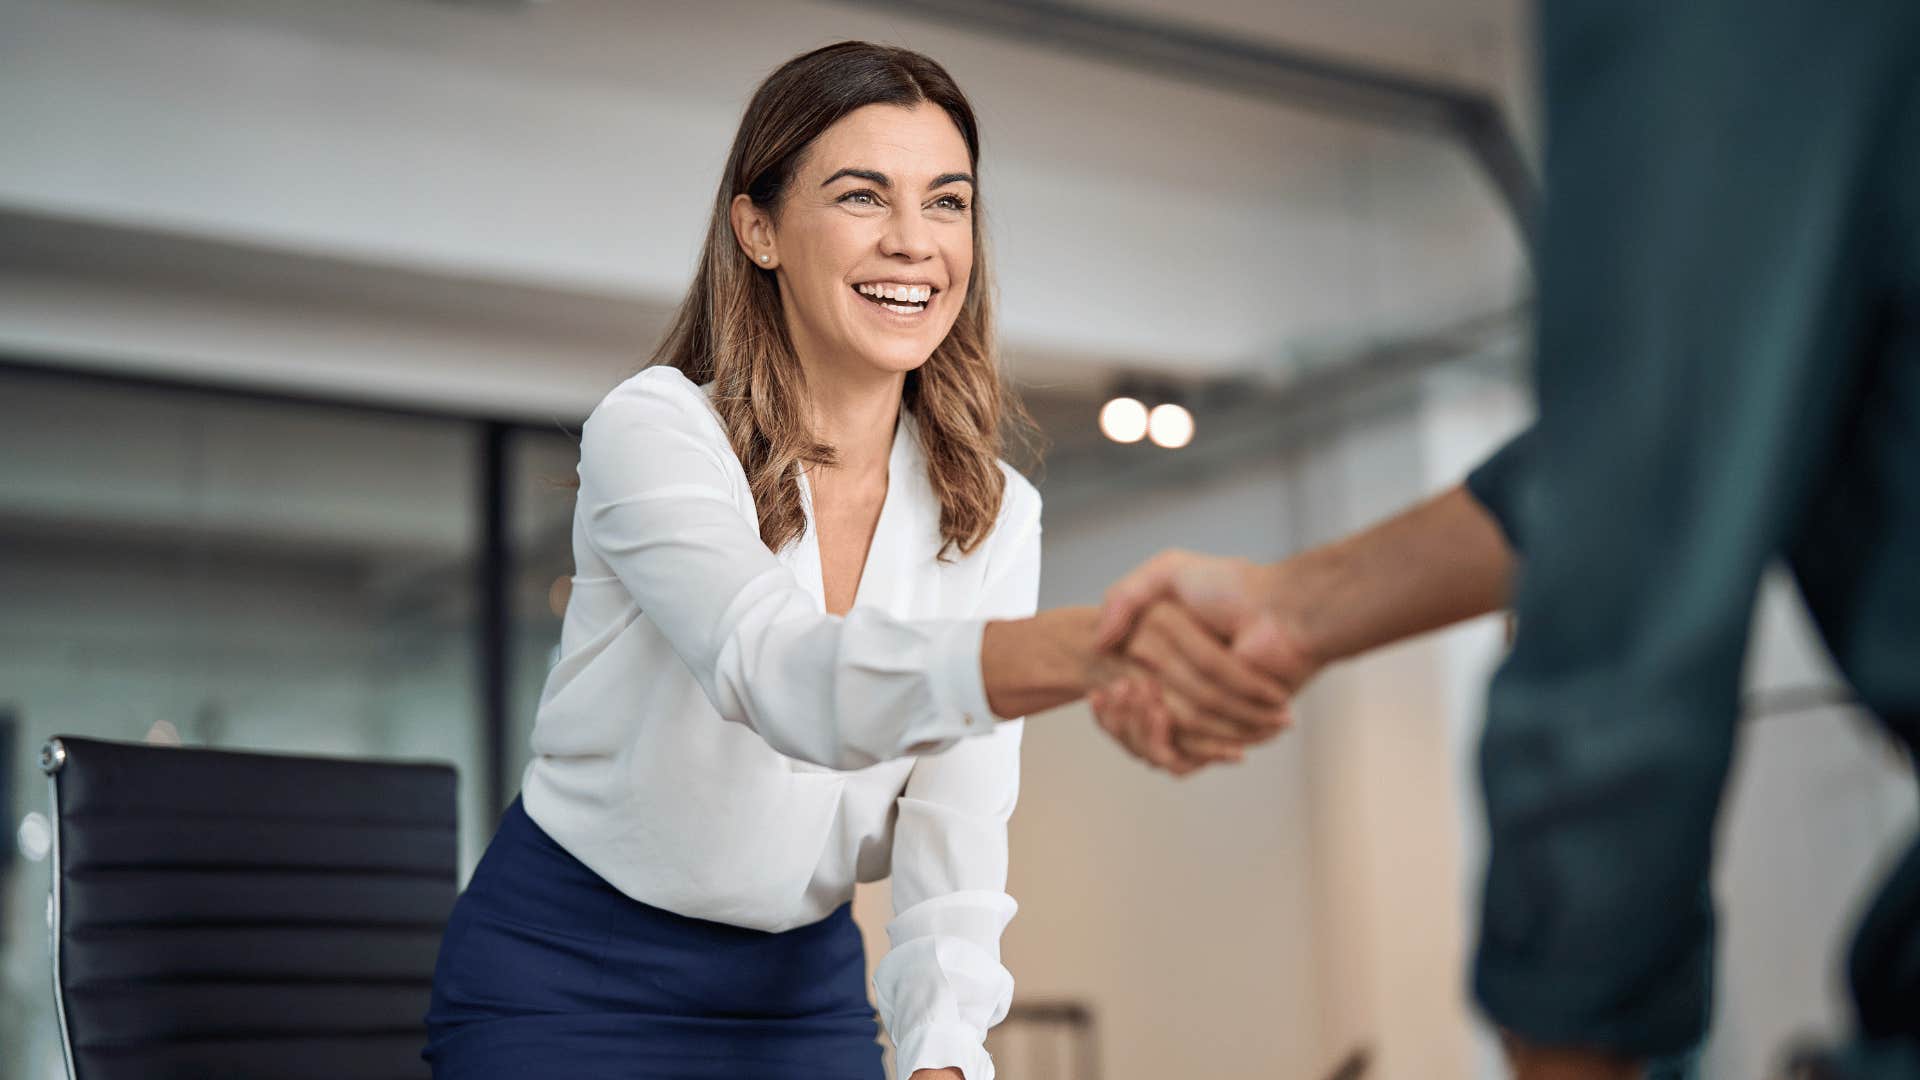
[[546, 970]]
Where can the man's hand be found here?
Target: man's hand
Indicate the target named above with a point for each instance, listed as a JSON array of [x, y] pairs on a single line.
[[1237, 600]]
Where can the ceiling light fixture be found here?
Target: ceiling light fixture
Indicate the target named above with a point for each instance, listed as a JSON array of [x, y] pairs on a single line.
[[1123, 419], [1170, 426]]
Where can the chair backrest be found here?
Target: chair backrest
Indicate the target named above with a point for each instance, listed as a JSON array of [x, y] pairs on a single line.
[[223, 914], [1047, 1040]]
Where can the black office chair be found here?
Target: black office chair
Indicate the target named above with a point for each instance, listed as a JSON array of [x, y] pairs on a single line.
[[227, 915]]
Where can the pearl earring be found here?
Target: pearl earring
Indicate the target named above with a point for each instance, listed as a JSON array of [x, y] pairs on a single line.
[[764, 258]]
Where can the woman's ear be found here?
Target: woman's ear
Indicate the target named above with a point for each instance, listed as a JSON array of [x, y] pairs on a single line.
[[753, 230]]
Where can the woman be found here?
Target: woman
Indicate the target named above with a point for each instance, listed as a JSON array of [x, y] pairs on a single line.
[[778, 675]]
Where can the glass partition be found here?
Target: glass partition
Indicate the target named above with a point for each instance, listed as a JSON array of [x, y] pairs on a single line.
[[216, 570]]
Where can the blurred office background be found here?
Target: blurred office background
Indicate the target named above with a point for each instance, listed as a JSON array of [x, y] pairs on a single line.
[[301, 302]]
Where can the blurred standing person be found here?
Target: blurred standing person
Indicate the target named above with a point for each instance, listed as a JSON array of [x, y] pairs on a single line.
[[1728, 365], [803, 598]]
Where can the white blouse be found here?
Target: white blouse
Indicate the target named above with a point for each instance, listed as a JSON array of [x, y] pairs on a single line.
[[713, 743]]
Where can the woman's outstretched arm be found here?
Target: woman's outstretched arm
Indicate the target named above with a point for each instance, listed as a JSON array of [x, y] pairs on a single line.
[[660, 507]]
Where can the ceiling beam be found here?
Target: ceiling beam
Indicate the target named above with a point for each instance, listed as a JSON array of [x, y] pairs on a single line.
[[1278, 73], [1238, 424]]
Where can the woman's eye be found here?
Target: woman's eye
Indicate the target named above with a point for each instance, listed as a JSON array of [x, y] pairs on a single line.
[[953, 203], [860, 198]]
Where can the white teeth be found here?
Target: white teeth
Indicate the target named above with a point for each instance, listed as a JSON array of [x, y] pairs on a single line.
[[916, 294]]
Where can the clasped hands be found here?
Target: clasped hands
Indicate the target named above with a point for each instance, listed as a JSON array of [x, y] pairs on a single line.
[[1197, 660]]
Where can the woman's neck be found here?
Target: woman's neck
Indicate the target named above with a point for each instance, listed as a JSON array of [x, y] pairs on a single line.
[[857, 418]]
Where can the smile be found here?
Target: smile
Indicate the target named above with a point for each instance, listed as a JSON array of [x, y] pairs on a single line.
[[897, 297]]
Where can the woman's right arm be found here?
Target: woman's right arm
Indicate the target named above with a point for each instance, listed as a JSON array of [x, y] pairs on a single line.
[[658, 499], [657, 491]]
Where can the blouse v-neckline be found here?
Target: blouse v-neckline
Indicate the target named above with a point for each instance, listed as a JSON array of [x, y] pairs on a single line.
[[881, 554]]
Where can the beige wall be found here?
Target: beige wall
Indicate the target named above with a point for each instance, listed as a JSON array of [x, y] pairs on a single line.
[[1266, 920], [1180, 910]]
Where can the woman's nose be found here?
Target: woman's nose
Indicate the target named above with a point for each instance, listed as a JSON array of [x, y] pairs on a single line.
[[909, 236]]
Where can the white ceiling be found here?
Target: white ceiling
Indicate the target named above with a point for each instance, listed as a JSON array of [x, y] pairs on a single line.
[[571, 146], [1466, 40]]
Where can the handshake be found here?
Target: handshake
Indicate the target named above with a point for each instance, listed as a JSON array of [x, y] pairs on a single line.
[[1193, 658], [1196, 658]]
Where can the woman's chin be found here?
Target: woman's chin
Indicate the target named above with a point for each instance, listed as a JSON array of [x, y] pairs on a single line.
[[895, 361]]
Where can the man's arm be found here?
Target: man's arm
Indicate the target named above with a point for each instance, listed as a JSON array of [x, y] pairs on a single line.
[[1437, 564], [1434, 565], [1440, 562]]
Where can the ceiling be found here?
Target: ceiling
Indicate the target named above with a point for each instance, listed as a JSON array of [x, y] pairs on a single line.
[[492, 206]]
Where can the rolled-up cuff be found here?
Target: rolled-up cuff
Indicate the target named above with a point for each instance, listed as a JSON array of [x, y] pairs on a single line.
[[976, 916], [959, 688], [942, 1046], [1550, 993], [1498, 484]]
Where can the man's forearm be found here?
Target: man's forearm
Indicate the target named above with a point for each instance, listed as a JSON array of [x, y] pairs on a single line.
[[1434, 565]]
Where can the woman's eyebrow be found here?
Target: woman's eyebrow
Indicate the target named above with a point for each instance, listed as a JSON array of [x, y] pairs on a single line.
[[868, 175], [875, 177]]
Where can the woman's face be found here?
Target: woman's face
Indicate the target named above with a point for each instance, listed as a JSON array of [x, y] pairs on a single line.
[[873, 243]]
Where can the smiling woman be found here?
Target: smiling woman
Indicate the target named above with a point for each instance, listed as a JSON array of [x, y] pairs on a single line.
[[848, 234], [803, 602], [863, 257]]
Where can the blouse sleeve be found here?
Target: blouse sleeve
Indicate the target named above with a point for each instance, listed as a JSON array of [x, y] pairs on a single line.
[[942, 985], [658, 495]]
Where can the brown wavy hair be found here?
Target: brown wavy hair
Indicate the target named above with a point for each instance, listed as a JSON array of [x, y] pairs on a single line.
[[729, 330]]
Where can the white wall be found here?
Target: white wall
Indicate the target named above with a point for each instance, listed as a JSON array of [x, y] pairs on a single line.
[[1387, 792], [1178, 908]]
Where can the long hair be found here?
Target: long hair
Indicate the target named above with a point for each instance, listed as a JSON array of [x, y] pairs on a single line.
[[729, 329]]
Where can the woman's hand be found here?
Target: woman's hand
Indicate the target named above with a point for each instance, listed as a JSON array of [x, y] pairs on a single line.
[[1185, 678], [937, 1074]]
